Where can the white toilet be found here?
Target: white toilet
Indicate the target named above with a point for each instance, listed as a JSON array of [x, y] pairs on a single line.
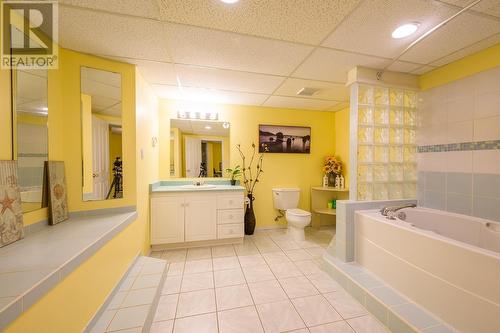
[[287, 199]]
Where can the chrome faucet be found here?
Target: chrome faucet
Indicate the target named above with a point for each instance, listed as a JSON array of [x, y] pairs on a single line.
[[389, 211]]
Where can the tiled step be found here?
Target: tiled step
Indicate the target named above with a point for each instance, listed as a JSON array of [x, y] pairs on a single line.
[[394, 310], [132, 305]]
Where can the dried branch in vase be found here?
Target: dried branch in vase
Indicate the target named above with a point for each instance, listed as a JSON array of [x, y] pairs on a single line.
[[248, 171]]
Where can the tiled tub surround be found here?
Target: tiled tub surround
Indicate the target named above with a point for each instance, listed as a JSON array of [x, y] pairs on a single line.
[[267, 284], [459, 141], [344, 246], [455, 281], [34, 265]]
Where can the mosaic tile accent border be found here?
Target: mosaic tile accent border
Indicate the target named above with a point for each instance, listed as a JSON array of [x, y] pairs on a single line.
[[462, 146]]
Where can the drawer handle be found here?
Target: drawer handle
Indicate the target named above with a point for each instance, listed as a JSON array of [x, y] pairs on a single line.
[[231, 217]]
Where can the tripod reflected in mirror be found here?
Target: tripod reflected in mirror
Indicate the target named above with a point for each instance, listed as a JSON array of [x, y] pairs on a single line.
[[117, 184]]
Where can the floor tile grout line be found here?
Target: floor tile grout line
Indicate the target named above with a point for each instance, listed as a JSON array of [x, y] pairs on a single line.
[[251, 295]]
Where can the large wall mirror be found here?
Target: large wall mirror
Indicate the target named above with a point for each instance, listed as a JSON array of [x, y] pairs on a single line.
[[101, 112], [198, 148], [30, 133]]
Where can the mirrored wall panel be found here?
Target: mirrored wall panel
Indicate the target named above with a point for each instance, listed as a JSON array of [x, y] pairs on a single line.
[[101, 112], [198, 148], [30, 112]]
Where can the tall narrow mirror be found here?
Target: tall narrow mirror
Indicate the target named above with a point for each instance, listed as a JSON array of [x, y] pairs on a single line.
[[30, 112], [101, 113], [198, 148]]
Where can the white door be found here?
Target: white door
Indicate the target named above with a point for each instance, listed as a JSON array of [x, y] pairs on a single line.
[[200, 218], [192, 148], [167, 220], [100, 158]]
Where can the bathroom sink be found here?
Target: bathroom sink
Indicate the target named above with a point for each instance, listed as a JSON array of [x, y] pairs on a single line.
[[193, 187]]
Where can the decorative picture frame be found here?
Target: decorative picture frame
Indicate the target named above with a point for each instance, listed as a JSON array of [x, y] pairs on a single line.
[[57, 192], [284, 139], [11, 211]]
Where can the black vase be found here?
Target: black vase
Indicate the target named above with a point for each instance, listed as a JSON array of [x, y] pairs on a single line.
[[233, 182], [250, 216]]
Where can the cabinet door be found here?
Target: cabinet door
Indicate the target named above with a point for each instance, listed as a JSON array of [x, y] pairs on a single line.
[[201, 218], [167, 220]]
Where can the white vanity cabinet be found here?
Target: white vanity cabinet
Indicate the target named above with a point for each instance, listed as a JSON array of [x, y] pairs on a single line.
[[198, 216]]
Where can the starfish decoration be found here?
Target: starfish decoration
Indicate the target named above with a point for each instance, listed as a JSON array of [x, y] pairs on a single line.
[[6, 203]]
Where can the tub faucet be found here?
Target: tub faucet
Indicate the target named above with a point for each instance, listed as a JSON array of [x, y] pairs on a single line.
[[389, 211]]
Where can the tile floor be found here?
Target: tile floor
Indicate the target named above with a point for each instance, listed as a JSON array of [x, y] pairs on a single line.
[[129, 308], [268, 284]]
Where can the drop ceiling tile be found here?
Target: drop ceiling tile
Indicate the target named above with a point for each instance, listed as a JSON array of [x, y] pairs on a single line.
[[490, 7], [200, 95], [338, 107], [461, 32], [403, 67], [143, 8], [203, 47], [422, 70], [485, 43], [368, 30], [328, 91], [112, 35], [305, 21], [330, 65], [298, 103], [194, 76]]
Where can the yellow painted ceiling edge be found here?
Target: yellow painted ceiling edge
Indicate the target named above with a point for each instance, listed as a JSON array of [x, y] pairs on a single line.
[[469, 65]]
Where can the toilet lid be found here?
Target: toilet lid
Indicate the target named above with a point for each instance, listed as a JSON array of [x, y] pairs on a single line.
[[298, 212]]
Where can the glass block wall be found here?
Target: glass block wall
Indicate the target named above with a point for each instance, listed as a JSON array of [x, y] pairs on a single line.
[[386, 143]]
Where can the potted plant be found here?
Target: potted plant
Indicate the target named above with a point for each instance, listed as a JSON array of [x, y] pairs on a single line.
[[249, 181], [332, 167], [234, 173]]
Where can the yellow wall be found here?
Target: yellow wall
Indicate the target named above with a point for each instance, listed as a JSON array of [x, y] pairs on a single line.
[[342, 136], [5, 116], [280, 170], [82, 292], [472, 64], [147, 155], [217, 155], [68, 80]]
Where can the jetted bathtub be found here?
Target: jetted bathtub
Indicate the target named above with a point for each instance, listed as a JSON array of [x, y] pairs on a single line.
[[448, 263]]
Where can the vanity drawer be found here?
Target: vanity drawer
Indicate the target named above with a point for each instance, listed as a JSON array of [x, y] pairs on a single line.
[[230, 216], [230, 201], [230, 230]]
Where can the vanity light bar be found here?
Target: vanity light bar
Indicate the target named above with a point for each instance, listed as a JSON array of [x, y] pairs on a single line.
[[197, 115]]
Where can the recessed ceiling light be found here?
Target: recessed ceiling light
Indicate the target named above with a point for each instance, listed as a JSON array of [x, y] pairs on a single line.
[[404, 30], [208, 127], [230, 1]]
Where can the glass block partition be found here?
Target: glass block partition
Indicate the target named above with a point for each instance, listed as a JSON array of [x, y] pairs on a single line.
[[386, 142]]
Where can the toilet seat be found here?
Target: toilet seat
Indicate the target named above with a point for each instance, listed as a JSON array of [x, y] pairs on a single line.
[[298, 212]]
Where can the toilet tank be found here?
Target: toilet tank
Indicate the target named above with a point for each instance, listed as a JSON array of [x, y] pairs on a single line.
[[286, 198]]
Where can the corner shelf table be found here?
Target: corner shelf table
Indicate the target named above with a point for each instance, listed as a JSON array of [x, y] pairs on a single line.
[[320, 196]]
